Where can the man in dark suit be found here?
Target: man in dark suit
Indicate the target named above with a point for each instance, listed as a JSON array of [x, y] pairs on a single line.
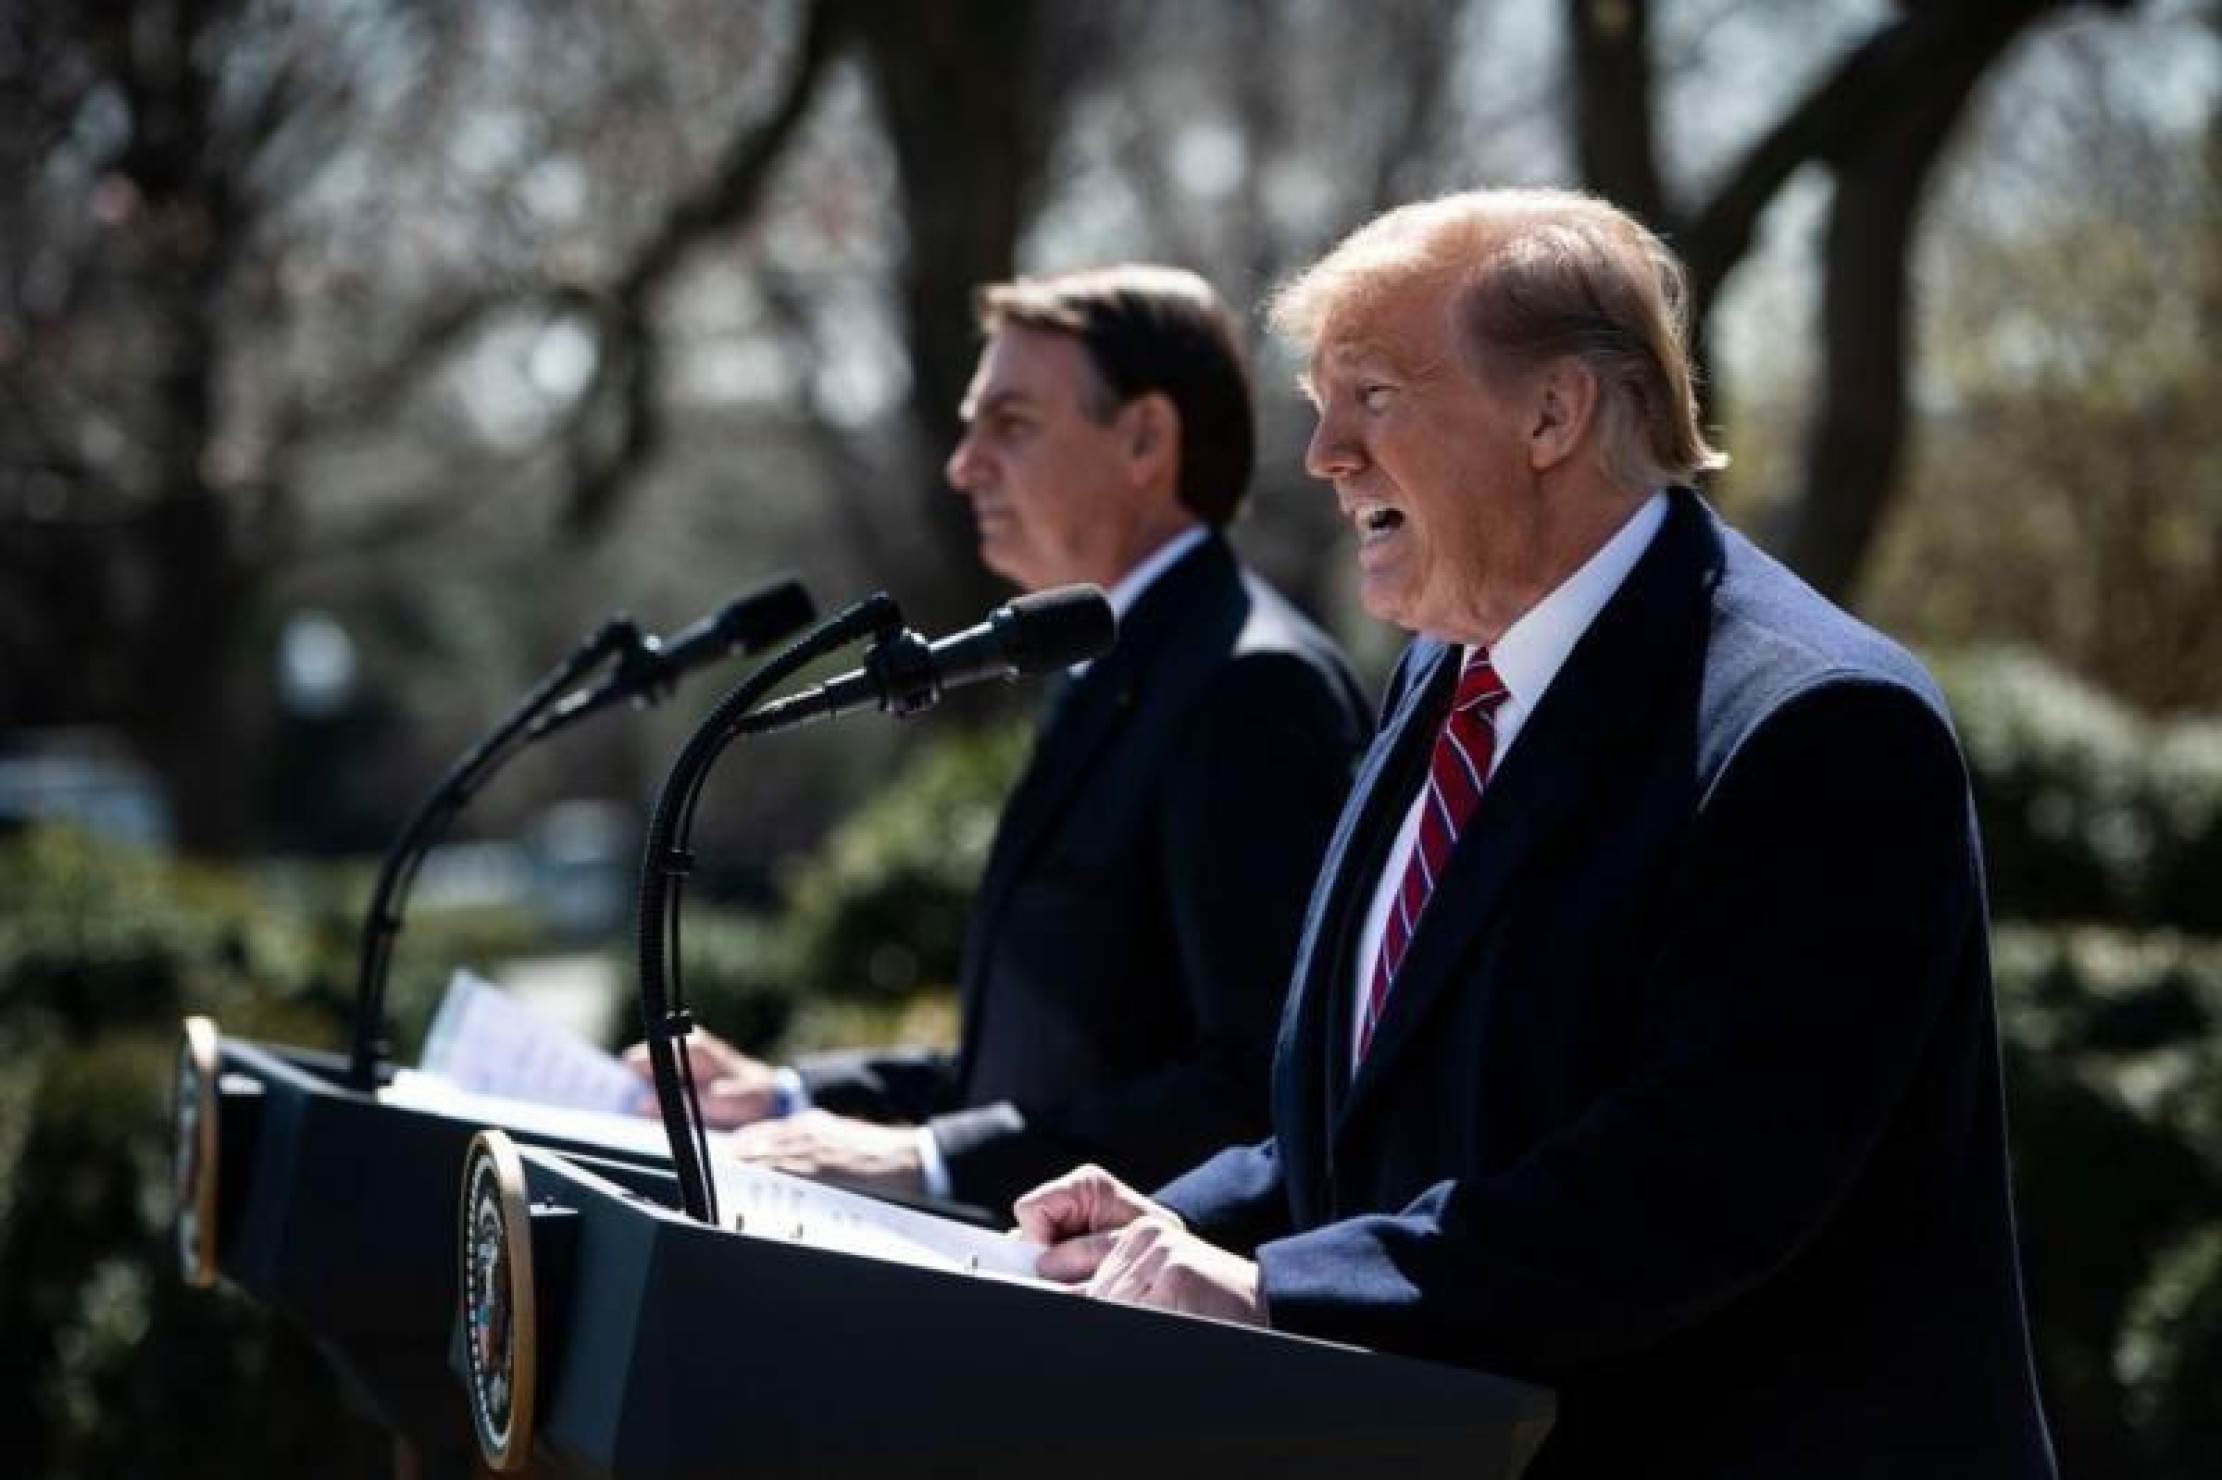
[[1642, 1040], [1132, 937]]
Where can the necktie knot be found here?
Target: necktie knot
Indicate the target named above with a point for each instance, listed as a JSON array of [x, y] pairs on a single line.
[[1479, 687]]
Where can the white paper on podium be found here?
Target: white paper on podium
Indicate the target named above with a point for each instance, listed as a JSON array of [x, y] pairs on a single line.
[[487, 1042], [641, 1134], [769, 1204], [489, 1056]]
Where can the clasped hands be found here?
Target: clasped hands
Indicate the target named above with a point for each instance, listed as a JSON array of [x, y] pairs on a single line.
[[1117, 1245], [1102, 1236]]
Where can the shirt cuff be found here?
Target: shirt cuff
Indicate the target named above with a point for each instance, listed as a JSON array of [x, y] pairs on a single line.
[[932, 1170], [790, 1096]]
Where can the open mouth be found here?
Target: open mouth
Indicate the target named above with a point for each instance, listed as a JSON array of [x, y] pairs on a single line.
[[1378, 519]]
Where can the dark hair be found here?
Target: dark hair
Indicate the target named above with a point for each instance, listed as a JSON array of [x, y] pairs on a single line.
[[1153, 329]]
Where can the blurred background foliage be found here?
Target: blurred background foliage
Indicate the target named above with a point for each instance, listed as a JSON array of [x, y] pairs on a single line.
[[356, 356]]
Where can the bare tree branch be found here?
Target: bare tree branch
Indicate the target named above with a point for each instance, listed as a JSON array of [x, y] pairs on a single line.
[[1854, 447], [626, 372]]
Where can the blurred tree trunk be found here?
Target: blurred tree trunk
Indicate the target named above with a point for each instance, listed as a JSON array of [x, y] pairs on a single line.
[[1613, 131], [1878, 122], [192, 695], [969, 117]]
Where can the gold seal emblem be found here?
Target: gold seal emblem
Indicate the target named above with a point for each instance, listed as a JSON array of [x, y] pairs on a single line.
[[193, 1150], [500, 1326]]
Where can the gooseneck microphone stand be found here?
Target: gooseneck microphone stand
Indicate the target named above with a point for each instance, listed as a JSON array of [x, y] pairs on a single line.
[[666, 862], [617, 637], [646, 671]]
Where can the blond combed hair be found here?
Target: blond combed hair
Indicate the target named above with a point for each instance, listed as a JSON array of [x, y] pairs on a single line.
[[1537, 276]]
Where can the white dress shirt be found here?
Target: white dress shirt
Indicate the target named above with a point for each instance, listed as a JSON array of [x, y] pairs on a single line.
[[1527, 657]]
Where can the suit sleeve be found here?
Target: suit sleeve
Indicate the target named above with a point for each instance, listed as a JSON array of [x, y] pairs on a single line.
[[897, 1086], [1236, 1200], [1830, 890], [1251, 794]]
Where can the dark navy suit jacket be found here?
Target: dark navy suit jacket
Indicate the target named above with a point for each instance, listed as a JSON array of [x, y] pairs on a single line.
[[1130, 944], [1686, 1099]]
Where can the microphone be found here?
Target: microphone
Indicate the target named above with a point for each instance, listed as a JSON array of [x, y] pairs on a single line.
[[904, 673], [652, 666]]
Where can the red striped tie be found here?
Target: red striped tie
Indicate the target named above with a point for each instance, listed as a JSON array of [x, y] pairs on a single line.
[[1455, 773]]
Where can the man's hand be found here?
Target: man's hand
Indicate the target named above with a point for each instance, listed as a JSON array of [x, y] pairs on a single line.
[[1131, 1250], [1079, 1216], [734, 1088], [818, 1143], [1155, 1261]]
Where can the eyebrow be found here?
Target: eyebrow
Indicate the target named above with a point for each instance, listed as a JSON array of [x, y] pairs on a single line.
[[996, 400]]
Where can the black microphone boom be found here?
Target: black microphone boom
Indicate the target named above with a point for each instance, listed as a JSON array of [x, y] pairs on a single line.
[[750, 622], [905, 674], [646, 669]]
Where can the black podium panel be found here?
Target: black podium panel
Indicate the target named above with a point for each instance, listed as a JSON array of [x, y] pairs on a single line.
[[338, 1212], [667, 1347]]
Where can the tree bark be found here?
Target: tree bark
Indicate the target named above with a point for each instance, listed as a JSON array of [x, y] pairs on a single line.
[[1856, 443], [969, 129], [1879, 121], [1613, 127]]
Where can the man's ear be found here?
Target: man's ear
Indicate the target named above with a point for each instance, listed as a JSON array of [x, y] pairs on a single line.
[[1564, 407], [1152, 436]]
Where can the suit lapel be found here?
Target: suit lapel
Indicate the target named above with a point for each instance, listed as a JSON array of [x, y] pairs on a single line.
[[1168, 644], [1314, 1043], [1601, 701]]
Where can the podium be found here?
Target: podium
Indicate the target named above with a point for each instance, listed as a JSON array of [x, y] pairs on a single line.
[[604, 1334], [336, 1209], [643, 1343]]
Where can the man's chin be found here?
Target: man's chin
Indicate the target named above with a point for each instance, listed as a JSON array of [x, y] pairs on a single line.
[[997, 557], [1387, 601]]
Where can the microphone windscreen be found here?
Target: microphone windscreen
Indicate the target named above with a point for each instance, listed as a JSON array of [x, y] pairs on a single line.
[[757, 619], [1056, 629]]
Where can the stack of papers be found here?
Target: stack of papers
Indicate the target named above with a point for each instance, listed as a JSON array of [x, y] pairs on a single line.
[[490, 1058], [486, 1041], [769, 1204]]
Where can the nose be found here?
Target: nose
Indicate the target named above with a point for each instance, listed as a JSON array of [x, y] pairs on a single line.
[[963, 468], [1332, 452]]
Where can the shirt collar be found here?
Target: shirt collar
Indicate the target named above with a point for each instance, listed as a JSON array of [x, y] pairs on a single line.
[[1129, 588], [1533, 649]]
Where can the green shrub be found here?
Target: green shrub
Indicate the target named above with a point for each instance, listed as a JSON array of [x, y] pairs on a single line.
[[2170, 1358], [738, 975], [109, 1364], [2116, 1080], [879, 913], [2088, 812]]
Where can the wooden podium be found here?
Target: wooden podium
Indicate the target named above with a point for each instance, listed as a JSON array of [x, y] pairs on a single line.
[[604, 1334]]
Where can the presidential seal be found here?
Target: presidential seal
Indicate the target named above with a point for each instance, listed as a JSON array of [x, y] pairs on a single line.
[[499, 1323], [193, 1150]]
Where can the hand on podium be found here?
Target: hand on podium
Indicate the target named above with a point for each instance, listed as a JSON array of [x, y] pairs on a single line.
[[1132, 1251], [835, 1148], [734, 1089]]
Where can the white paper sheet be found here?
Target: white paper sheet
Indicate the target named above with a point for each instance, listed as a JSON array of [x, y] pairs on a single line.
[[641, 1134], [486, 1041], [769, 1204], [488, 1057]]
